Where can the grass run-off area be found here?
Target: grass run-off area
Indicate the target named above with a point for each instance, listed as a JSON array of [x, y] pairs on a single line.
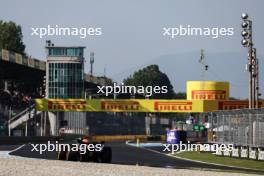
[[229, 161]]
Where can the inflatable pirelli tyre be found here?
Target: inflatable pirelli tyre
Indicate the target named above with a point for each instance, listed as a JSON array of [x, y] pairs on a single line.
[[73, 156], [62, 155], [106, 155]]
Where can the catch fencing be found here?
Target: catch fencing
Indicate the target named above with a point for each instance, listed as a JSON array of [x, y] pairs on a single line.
[[243, 127]]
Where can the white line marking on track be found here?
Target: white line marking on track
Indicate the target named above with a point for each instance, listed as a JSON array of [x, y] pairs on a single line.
[[17, 148], [6, 153]]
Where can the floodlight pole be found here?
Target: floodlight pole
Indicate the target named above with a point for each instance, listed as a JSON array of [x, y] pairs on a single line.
[[91, 62], [252, 62], [251, 90]]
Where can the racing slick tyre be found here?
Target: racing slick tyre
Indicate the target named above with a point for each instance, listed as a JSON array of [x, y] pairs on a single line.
[[90, 156], [106, 155], [84, 158], [62, 155], [73, 156]]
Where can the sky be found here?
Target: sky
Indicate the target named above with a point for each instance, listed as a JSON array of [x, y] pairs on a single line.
[[132, 30]]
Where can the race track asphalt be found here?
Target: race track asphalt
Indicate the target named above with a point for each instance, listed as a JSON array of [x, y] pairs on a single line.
[[129, 155]]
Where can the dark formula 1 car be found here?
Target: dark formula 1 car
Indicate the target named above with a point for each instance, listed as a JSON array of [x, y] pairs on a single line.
[[87, 151]]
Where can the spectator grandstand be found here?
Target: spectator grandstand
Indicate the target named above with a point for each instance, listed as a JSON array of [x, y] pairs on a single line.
[[21, 80]]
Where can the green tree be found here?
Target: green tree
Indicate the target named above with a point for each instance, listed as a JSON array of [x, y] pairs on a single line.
[[151, 76], [233, 98], [11, 37], [180, 95]]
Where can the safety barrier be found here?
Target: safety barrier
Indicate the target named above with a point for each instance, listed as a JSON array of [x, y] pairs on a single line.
[[125, 138], [138, 105], [15, 140], [243, 152]]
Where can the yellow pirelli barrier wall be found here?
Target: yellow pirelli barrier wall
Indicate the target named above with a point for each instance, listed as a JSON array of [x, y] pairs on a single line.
[[207, 90], [202, 96], [122, 105], [227, 105], [139, 105]]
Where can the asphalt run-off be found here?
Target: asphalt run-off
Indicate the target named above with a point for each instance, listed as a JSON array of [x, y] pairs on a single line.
[[124, 154]]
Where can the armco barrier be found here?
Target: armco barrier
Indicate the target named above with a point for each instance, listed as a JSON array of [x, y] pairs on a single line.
[[15, 140], [119, 138], [124, 138]]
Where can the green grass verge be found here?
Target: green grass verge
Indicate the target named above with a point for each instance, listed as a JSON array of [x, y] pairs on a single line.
[[211, 158]]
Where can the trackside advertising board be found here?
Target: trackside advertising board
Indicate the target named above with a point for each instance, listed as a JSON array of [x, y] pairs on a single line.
[[207, 90], [137, 105], [124, 105]]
